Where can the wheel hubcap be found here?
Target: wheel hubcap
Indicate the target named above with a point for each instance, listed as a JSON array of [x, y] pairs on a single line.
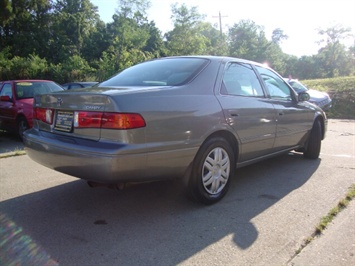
[[215, 171]]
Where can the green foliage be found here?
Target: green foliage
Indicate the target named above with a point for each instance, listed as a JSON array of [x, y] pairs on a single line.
[[5, 12], [31, 67], [76, 69], [342, 92], [65, 40], [248, 41], [5, 67], [331, 84], [187, 36]]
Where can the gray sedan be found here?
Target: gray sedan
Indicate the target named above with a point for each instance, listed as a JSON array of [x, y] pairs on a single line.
[[197, 118]]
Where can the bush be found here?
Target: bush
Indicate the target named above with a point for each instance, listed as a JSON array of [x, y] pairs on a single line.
[[342, 92]]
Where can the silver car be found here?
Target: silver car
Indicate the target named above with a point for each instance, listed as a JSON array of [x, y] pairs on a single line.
[[319, 98], [197, 118]]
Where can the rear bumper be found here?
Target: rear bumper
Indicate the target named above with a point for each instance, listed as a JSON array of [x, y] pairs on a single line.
[[104, 162]]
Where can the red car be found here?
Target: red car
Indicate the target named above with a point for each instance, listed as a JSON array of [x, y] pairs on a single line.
[[16, 100]]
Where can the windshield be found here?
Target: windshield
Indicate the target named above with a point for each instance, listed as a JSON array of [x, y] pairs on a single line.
[[27, 89], [298, 87], [160, 72]]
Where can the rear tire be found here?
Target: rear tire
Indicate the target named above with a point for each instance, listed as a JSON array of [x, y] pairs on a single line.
[[212, 170], [22, 125], [313, 147]]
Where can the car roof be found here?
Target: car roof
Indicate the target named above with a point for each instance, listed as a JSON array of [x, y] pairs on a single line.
[[28, 80], [81, 82], [214, 58]]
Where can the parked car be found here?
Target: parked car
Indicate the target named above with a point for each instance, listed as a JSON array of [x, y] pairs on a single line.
[[78, 85], [16, 100], [319, 98], [196, 118]]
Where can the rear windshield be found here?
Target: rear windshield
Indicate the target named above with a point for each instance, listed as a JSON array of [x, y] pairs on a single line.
[[160, 72], [27, 89]]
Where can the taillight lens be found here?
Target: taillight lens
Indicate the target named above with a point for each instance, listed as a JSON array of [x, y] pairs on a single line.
[[87, 119], [43, 114], [122, 121], [84, 119], [108, 120]]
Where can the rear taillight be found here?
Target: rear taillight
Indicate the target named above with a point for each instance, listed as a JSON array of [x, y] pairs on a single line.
[[83, 119], [108, 120], [87, 119], [43, 114], [122, 121]]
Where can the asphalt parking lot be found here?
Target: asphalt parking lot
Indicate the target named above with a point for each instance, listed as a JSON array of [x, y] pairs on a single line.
[[271, 208]]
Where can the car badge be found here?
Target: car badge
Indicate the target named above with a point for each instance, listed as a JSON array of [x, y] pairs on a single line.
[[59, 102]]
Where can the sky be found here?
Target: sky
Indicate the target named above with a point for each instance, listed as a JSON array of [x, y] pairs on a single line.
[[299, 19]]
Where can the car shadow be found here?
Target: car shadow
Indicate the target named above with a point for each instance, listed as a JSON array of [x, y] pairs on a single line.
[[10, 142], [147, 224]]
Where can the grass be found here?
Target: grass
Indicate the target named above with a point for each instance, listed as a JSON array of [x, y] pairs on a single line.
[[16, 152], [342, 92], [326, 220]]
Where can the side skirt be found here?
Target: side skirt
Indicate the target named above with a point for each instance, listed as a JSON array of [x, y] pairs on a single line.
[[262, 158]]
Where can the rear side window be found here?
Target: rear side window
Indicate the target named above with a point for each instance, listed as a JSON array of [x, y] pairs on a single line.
[[161, 72], [239, 79]]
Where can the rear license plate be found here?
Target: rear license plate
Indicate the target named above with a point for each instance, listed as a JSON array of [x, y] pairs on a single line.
[[64, 121]]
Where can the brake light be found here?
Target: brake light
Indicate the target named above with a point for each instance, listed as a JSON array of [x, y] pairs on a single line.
[[84, 119], [87, 119], [43, 114]]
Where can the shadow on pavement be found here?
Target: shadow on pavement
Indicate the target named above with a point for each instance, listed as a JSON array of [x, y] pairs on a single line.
[[151, 224], [9, 142]]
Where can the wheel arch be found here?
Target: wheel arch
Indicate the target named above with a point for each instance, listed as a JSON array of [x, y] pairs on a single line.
[[21, 116], [230, 138], [323, 124]]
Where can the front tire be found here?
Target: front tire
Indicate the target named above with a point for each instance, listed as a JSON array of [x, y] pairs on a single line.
[[313, 147], [212, 171]]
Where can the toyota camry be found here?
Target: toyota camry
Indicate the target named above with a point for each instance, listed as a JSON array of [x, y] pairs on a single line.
[[197, 118]]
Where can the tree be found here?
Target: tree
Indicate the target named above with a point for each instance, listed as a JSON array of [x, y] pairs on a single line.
[[96, 43], [278, 36], [155, 44], [73, 23], [333, 57], [133, 8], [132, 38], [186, 37], [332, 61], [217, 44], [25, 26], [5, 12], [247, 40]]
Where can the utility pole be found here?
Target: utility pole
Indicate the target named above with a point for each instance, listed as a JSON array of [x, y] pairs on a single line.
[[220, 21]]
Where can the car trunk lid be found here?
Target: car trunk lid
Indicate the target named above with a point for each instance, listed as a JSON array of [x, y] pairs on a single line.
[[61, 111]]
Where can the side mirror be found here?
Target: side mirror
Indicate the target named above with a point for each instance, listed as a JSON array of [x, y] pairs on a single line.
[[5, 98], [303, 96]]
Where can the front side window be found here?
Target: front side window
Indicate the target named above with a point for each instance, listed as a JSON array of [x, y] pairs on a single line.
[[275, 85], [239, 79]]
